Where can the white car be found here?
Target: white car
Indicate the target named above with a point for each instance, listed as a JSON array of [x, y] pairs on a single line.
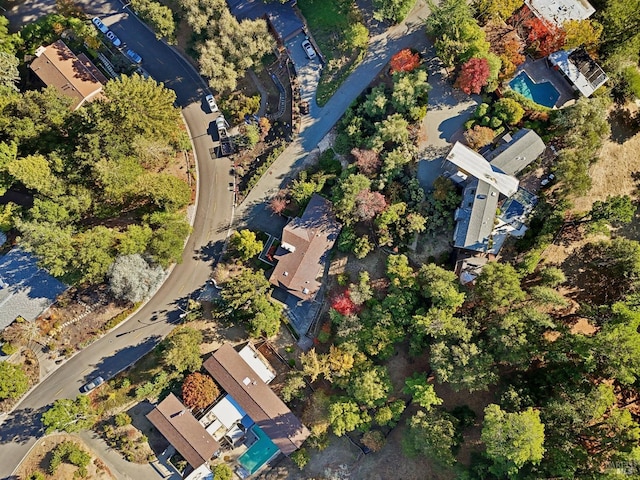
[[92, 384], [99, 25], [112, 36], [213, 106], [308, 49]]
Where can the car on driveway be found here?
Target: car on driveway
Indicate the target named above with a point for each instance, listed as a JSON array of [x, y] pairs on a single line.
[[92, 384], [213, 106], [112, 36], [308, 49], [99, 25], [134, 56]]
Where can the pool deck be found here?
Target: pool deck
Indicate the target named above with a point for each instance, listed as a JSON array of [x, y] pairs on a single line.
[[539, 71]]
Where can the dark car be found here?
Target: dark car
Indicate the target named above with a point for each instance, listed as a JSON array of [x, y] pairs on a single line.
[[92, 384]]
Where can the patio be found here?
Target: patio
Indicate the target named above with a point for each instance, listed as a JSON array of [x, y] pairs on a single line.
[[539, 71]]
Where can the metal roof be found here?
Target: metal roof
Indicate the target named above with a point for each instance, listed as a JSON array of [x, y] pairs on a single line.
[[514, 155], [475, 165], [558, 12], [581, 70], [476, 215]]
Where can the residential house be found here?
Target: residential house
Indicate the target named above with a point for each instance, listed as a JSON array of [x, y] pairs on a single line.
[[176, 423], [557, 12], [57, 66], [579, 69], [493, 206], [25, 289], [250, 415], [304, 250]]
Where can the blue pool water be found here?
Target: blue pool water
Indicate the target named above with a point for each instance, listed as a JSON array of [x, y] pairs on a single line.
[[542, 93], [259, 453]]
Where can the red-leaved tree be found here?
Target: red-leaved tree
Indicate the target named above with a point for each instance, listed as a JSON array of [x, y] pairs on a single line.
[[343, 304], [473, 75], [369, 204], [368, 161], [199, 391], [544, 38], [404, 61], [278, 204]]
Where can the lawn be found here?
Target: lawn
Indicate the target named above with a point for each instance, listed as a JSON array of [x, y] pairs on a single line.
[[329, 21]]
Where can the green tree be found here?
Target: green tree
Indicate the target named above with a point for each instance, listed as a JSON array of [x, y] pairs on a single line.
[[94, 253], [503, 9], [464, 364], [422, 392], [356, 36], [34, 173], [394, 10], [9, 74], [265, 318], [69, 415], [393, 129], [432, 435], [346, 193], [166, 191], [159, 17], [169, 233], [140, 106], [508, 110], [241, 290], [134, 240], [498, 286], [372, 386], [512, 439], [345, 416], [616, 210], [182, 350], [13, 381], [245, 244]]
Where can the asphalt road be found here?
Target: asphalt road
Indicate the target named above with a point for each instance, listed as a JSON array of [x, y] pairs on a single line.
[[141, 333]]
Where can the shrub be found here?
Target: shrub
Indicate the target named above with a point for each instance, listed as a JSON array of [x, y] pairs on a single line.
[[479, 136], [374, 440], [222, 471], [481, 110], [362, 247], [9, 349], [404, 61], [37, 476], [508, 110], [122, 419], [300, 458]]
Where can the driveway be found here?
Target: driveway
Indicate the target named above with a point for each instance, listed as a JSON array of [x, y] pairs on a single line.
[[307, 71]]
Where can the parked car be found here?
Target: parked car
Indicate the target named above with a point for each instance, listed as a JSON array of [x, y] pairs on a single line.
[[99, 25], [213, 106], [92, 384], [112, 36], [308, 49], [134, 56]]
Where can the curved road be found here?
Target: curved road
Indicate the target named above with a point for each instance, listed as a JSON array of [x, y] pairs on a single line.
[[141, 333], [138, 335]]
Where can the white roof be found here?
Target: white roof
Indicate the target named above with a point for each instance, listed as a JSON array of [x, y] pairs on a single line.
[[228, 412], [201, 473], [562, 60], [474, 164], [254, 360], [560, 11]]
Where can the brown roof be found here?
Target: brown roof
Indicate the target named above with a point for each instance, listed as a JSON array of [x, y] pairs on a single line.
[[306, 242], [58, 66], [256, 399], [183, 431]]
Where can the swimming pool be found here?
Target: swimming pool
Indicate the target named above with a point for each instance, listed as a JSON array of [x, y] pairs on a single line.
[[543, 93], [259, 453]]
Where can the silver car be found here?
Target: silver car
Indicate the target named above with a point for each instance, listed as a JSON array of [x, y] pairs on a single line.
[[99, 25], [92, 384], [115, 40], [308, 49]]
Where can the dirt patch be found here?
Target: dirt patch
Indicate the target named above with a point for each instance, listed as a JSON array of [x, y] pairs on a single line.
[[39, 457]]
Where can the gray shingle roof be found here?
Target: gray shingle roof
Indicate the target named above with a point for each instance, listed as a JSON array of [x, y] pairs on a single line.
[[475, 216], [25, 289], [513, 156]]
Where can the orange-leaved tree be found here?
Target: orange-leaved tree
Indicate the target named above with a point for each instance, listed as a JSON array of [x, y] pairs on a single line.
[[404, 61], [199, 391]]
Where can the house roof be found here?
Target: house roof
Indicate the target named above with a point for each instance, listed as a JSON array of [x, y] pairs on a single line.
[[476, 215], [306, 242], [558, 12], [516, 151], [475, 165], [183, 431], [256, 398], [58, 66], [281, 16], [25, 289], [581, 70], [257, 362]]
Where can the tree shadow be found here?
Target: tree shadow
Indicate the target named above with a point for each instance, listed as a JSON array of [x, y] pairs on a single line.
[[20, 427], [623, 125], [108, 367]]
